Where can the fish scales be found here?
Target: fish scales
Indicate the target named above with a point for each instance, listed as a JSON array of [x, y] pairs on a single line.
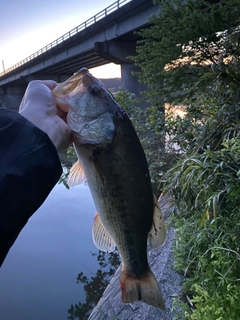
[[112, 179], [115, 166]]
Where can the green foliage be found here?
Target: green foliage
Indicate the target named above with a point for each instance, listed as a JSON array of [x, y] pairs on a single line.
[[187, 47], [208, 181], [206, 189], [189, 59], [71, 154], [210, 265], [190, 56]]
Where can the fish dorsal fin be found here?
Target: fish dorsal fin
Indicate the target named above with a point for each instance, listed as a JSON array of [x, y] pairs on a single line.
[[101, 237], [157, 234], [76, 175]]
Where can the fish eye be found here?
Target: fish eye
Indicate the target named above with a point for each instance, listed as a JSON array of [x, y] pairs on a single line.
[[95, 90]]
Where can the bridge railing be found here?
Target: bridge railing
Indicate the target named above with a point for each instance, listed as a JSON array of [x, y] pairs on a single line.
[[102, 14]]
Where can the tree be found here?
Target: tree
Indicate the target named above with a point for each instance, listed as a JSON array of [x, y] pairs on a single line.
[[189, 57]]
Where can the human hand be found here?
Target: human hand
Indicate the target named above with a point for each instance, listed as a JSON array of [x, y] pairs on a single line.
[[39, 106]]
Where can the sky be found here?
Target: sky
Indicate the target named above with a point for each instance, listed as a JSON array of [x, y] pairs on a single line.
[[28, 25]]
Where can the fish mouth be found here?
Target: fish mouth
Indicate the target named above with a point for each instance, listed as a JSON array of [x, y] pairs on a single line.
[[75, 81], [71, 92], [73, 88], [89, 108]]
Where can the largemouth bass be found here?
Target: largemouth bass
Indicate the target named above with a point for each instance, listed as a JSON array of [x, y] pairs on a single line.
[[113, 161]]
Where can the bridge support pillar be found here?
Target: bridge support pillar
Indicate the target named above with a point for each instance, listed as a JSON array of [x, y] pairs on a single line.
[[118, 52], [129, 81]]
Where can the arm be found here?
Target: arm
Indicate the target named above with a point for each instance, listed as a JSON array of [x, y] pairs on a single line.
[[29, 169], [29, 165]]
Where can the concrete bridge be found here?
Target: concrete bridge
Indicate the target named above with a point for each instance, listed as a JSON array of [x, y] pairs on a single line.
[[109, 36]]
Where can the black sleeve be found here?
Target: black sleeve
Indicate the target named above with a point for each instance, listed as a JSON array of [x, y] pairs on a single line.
[[29, 169]]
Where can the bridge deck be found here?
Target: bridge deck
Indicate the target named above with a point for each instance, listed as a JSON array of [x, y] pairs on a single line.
[[114, 27]]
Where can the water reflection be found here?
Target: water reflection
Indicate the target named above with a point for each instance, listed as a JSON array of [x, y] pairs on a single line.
[[37, 279], [95, 286]]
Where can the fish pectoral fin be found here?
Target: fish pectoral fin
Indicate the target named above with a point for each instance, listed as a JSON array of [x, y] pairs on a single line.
[[101, 237], [76, 175], [157, 234]]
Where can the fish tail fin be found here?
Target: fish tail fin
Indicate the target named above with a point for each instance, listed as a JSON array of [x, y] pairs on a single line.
[[144, 288]]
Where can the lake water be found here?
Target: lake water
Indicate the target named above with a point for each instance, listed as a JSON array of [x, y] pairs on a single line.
[[38, 277]]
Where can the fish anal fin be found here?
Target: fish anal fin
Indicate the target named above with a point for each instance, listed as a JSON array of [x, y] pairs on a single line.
[[101, 237], [157, 234], [76, 175], [144, 288]]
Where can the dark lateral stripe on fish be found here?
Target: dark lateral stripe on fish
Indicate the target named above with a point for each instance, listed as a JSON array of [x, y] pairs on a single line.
[[139, 291]]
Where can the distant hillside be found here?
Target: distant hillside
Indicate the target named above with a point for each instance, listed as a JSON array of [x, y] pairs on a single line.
[[112, 84]]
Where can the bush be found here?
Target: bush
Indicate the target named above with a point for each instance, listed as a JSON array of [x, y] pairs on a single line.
[[206, 190], [189, 58]]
